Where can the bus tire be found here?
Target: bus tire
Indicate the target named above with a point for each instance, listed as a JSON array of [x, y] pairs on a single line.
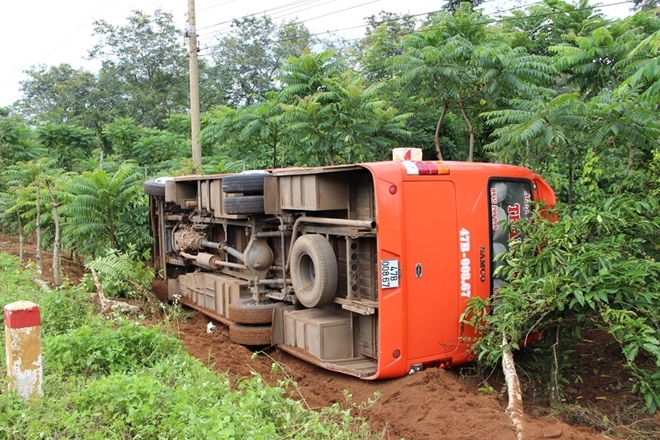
[[154, 187], [248, 311], [248, 184], [314, 270], [250, 334], [244, 205]]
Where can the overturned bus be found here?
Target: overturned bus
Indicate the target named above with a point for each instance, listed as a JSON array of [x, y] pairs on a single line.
[[363, 269]]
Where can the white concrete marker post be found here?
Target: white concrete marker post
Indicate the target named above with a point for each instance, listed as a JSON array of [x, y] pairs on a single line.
[[23, 345]]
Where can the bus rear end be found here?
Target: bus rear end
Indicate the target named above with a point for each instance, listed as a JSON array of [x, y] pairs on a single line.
[[444, 231]]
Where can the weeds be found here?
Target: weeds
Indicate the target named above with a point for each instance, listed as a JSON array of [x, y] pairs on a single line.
[[115, 379]]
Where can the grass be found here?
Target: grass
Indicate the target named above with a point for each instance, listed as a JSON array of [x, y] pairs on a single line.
[[113, 378]]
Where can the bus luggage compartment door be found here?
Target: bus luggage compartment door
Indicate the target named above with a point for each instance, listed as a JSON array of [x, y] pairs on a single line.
[[431, 269]]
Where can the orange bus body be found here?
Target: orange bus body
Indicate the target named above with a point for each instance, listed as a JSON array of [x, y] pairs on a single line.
[[413, 241]]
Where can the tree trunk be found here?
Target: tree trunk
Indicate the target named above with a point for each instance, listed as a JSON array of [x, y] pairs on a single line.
[[515, 407], [470, 130], [555, 398], [108, 305], [275, 153], [437, 130], [21, 238], [56, 242], [38, 231], [631, 157], [570, 187]]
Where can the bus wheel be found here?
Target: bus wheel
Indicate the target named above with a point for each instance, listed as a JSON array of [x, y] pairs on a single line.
[[314, 270], [248, 311], [244, 205], [155, 187], [250, 334], [248, 183]]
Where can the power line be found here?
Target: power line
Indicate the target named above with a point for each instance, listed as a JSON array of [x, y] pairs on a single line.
[[500, 20], [276, 8]]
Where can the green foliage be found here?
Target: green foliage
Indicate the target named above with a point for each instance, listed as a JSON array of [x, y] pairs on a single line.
[[381, 42], [247, 58], [254, 134], [600, 266], [638, 335], [67, 144], [550, 22], [144, 73], [331, 117], [176, 397], [453, 5], [64, 309], [61, 95], [455, 63], [147, 147], [15, 281], [17, 141], [61, 309], [123, 275], [106, 211], [104, 347]]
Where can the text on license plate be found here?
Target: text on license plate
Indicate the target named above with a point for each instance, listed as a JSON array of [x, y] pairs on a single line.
[[389, 274]]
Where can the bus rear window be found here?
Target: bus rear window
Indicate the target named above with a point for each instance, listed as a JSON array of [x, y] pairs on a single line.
[[509, 200]]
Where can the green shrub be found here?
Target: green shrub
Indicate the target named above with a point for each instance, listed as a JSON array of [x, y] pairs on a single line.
[[104, 347], [16, 283], [64, 309], [108, 379]]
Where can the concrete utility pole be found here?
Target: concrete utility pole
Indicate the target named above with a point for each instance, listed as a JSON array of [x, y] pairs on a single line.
[[194, 85]]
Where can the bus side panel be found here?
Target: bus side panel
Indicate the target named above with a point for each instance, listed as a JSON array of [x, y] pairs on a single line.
[[431, 268], [391, 305]]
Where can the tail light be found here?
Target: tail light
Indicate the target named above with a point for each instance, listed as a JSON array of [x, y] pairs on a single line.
[[425, 168]]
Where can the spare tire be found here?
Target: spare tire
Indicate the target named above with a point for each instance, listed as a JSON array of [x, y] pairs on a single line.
[[250, 183], [314, 270], [244, 205]]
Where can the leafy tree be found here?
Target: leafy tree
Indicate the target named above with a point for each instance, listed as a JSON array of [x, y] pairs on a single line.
[[144, 72], [106, 211], [549, 23], [160, 146], [61, 95], [53, 180], [572, 130], [67, 144], [146, 146], [253, 133], [247, 59], [122, 134], [381, 42], [606, 55], [11, 217], [17, 141], [453, 5], [331, 117], [26, 181], [455, 63], [600, 267], [599, 263], [645, 5]]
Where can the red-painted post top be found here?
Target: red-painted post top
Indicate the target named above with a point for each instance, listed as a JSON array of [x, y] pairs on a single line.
[[21, 314]]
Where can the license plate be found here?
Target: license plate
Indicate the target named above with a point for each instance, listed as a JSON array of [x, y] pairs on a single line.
[[389, 274]]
